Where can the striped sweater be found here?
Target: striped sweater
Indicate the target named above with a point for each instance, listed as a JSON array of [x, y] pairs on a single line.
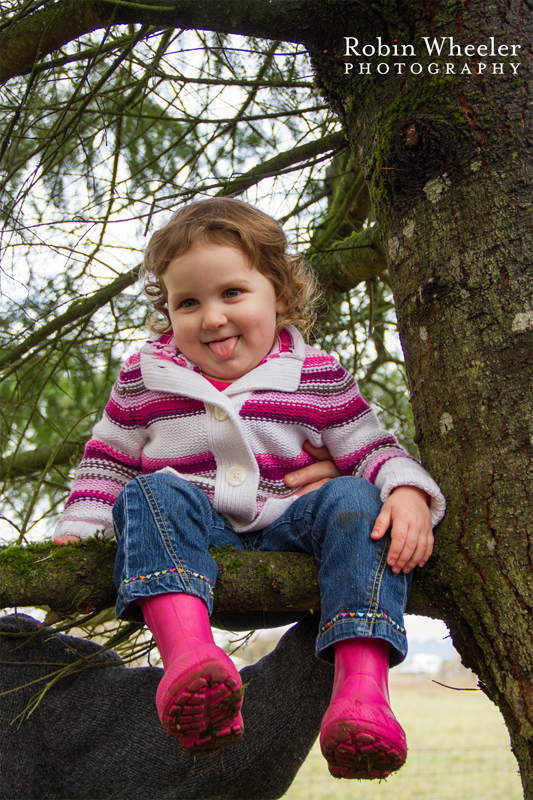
[[235, 445]]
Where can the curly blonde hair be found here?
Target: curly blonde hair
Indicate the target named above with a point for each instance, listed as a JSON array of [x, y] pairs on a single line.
[[226, 221]]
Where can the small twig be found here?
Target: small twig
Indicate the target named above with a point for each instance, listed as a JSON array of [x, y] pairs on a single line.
[[456, 688]]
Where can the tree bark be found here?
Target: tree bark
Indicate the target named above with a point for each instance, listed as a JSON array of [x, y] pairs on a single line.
[[342, 265], [78, 578], [449, 164]]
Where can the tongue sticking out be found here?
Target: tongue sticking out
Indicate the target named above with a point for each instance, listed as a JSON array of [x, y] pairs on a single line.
[[225, 347]]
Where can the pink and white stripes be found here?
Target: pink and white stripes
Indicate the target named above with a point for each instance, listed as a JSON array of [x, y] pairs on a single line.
[[172, 424]]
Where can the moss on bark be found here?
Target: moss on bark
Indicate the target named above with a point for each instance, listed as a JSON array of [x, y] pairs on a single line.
[[78, 578], [449, 166]]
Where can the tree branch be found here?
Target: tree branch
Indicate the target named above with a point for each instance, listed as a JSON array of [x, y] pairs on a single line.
[[29, 39], [252, 84], [86, 306], [85, 55], [27, 461], [275, 165], [78, 578], [344, 264], [77, 310]]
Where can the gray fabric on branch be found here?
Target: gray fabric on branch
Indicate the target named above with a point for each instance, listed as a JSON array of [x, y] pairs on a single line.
[[96, 735]]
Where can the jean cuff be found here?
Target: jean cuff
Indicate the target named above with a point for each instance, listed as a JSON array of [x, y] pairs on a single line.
[[162, 582], [352, 624]]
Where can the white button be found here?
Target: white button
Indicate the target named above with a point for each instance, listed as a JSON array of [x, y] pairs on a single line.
[[236, 476], [220, 414]]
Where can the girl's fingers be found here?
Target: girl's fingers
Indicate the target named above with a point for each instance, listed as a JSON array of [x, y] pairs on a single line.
[[322, 453], [310, 487], [382, 524], [415, 553], [411, 532], [68, 539], [416, 557], [401, 547], [429, 550], [322, 470]]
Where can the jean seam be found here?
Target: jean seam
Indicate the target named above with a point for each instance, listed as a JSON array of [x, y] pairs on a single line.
[[374, 603], [160, 523]]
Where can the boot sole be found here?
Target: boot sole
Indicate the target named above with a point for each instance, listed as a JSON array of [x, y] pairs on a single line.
[[199, 700], [354, 750]]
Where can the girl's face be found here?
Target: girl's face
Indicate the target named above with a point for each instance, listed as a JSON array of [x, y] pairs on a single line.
[[222, 310]]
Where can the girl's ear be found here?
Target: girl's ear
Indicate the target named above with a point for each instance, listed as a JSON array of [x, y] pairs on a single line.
[[281, 305]]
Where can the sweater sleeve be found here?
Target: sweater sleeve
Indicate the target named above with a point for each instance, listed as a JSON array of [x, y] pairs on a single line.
[[361, 447], [111, 459]]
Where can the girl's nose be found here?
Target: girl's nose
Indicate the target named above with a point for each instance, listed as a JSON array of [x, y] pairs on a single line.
[[214, 317]]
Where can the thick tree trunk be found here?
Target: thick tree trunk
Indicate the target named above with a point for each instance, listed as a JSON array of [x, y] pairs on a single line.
[[449, 164]]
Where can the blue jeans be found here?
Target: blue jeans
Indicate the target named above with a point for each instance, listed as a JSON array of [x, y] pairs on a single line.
[[165, 526]]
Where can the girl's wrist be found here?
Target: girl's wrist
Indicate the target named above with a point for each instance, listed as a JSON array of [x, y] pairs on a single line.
[[417, 489]]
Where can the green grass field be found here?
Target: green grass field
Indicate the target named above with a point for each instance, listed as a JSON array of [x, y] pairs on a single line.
[[458, 750]]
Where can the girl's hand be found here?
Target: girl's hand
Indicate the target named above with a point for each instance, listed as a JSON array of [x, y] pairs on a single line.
[[406, 510], [66, 539], [315, 475]]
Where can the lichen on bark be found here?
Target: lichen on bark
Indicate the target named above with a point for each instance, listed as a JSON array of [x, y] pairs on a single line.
[[449, 168], [78, 578]]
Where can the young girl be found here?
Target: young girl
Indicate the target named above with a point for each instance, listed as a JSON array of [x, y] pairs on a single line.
[[202, 427]]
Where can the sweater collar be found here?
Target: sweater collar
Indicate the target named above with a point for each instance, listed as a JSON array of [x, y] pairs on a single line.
[[280, 369]]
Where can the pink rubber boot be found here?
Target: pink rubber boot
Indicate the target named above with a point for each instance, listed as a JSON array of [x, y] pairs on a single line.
[[359, 735], [200, 695]]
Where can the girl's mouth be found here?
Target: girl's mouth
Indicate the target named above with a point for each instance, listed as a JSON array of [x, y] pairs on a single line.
[[224, 347]]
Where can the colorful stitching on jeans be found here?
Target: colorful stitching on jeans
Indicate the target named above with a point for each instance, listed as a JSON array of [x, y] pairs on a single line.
[[165, 572], [362, 615]]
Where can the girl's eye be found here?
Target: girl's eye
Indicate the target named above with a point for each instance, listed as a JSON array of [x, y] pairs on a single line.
[[189, 302], [232, 292]]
